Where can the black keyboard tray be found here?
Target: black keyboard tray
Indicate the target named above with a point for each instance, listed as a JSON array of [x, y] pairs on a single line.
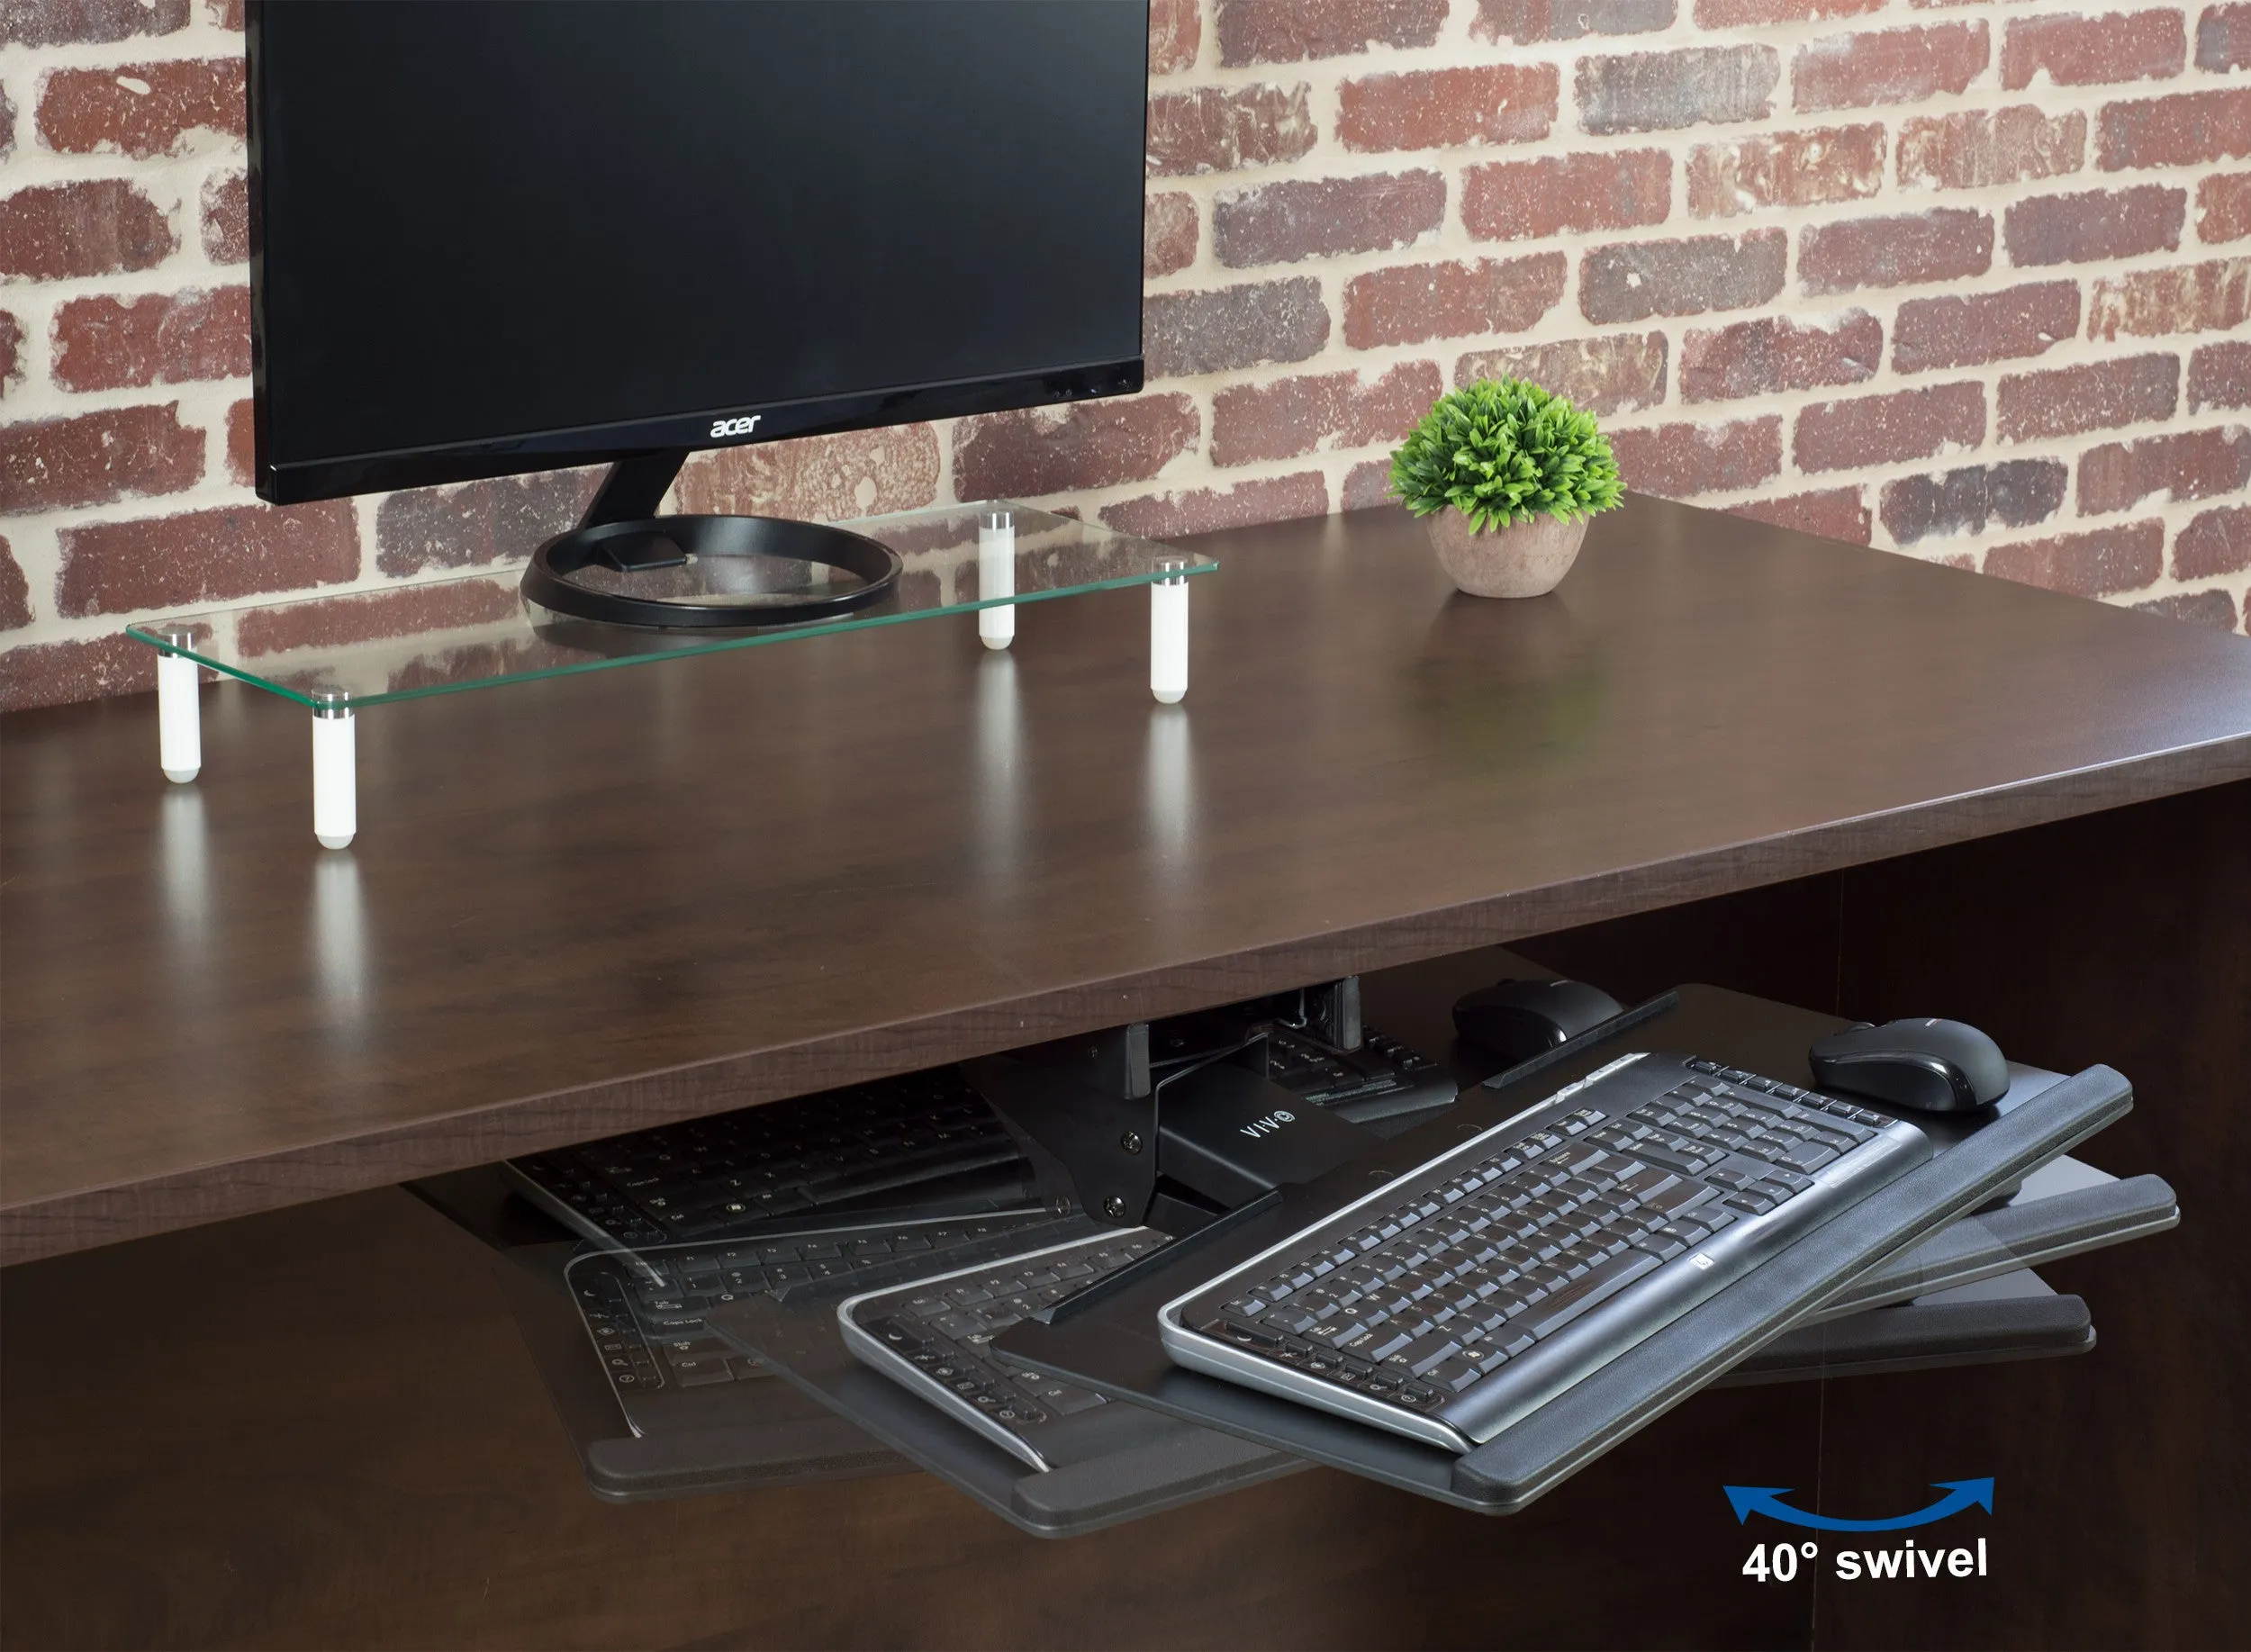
[[1110, 1343]]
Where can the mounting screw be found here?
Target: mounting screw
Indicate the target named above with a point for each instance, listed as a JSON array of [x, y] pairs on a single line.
[[1114, 1209], [1130, 1141]]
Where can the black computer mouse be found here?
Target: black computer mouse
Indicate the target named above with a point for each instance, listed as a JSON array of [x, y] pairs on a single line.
[[1519, 1019], [1927, 1065]]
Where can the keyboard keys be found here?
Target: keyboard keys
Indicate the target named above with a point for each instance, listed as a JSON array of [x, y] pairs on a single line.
[[1426, 1351], [1482, 1260]]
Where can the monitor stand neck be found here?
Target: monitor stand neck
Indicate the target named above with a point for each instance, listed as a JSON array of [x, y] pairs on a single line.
[[634, 487]]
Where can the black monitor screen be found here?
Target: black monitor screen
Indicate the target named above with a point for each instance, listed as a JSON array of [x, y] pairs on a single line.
[[509, 236]]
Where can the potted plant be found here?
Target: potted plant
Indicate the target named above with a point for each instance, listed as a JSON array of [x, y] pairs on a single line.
[[1504, 475]]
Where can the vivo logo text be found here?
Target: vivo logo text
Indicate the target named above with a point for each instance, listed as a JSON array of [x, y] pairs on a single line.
[[1268, 1125], [736, 426]]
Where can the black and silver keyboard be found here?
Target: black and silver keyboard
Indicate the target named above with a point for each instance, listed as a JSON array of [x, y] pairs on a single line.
[[1454, 1300], [645, 1309], [873, 1146], [933, 1338]]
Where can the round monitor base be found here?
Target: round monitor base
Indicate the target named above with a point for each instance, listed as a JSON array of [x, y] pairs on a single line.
[[654, 543]]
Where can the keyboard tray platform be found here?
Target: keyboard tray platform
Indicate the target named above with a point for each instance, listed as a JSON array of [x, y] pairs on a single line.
[[1107, 1340]]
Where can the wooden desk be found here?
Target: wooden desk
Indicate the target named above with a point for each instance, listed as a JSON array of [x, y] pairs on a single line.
[[581, 907], [1721, 752]]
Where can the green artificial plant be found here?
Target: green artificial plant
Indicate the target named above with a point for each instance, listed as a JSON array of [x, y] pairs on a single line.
[[1502, 451]]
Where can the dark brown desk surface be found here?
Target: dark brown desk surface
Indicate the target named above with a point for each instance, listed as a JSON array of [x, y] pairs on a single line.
[[589, 905]]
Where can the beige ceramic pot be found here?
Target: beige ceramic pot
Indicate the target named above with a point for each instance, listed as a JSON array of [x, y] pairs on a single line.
[[1524, 559]]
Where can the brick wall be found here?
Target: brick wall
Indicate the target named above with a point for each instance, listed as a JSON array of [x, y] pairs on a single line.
[[1968, 281]]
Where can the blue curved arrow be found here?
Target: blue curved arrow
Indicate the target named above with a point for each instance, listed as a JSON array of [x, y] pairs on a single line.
[[1768, 1500]]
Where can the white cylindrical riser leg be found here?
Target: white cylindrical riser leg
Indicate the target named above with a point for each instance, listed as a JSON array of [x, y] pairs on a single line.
[[335, 779], [996, 577], [179, 719], [1168, 640]]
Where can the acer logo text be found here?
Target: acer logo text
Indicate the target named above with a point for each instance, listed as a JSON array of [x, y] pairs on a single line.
[[1272, 1122], [736, 426]]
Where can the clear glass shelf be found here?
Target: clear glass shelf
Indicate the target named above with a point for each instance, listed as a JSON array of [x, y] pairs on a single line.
[[477, 631]]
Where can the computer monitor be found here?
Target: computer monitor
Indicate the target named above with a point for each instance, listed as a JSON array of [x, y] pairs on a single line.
[[521, 235]]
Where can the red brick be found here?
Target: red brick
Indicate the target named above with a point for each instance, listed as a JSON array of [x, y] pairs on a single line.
[[65, 674], [142, 109], [506, 517], [1225, 129], [1520, 198], [1634, 282], [1838, 163], [2215, 542], [1530, 21], [2015, 493], [2223, 207], [2187, 298], [2215, 609], [11, 352], [58, 23], [372, 616], [1168, 233], [2186, 130], [205, 556], [1387, 410], [1664, 91], [16, 593], [2093, 224], [1606, 373], [2086, 51], [815, 479], [1084, 445], [1408, 303], [1176, 34], [52, 231], [1197, 511], [1961, 332], [1780, 353], [1833, 513], [1679, 461], [113, 343], [1443, 108], [1907, 424], [1367, 486], [1888, 66], [242, 443], [2223, 37], [1316, 218], [1294, 416], [1976, 148], [2092, 564], [1217, 331], [224, 13], [1290, 30], [96, 458], [2220, 375], [2192, 464], [1947, 243], [226, 219], [2094, 396], [1749, 14]]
